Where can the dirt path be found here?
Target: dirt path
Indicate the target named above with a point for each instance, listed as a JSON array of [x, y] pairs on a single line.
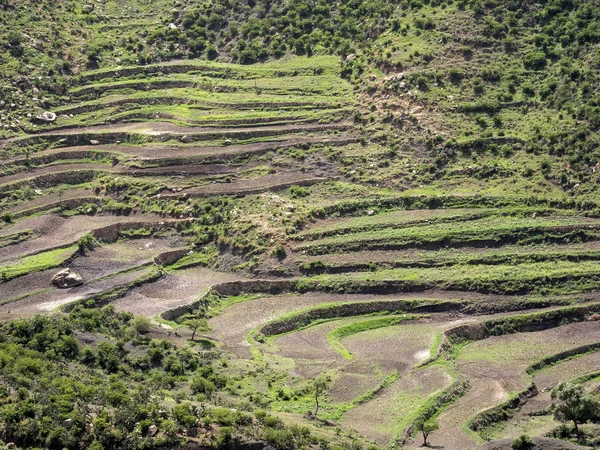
[[36, 172]]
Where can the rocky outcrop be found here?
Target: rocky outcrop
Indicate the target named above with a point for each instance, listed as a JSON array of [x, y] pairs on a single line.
[[67, 279]]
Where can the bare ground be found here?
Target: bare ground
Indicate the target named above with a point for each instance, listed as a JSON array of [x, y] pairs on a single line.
[[95, 268], [51, 198], [378, 419], [173, 290], [496, 368], [47, 301], [149, 152], [251, 186], [54, 231], [232, 326]]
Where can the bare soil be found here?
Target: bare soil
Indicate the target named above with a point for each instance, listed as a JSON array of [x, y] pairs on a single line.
[[497, 369], [379, 418], [47, 301], [173, 290], [51, 198], [53, 231], [97, 268], [251, 186], [232, 326], [186, 151]]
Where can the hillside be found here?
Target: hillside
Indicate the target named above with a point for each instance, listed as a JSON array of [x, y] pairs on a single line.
[[298, 225]]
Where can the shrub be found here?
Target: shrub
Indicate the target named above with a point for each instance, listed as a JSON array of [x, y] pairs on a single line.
[[183, 415], [141, 324], [279, 252], [298, 191], [201, 385], [523, 442], [535, 61]]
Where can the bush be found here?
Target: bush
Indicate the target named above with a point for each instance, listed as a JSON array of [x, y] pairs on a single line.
[[201, 385], [298, 191], [535, 61], [523, 442], [183, 415], [141, 324]]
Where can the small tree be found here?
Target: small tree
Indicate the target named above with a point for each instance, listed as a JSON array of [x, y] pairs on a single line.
[[320, 386], [426, 427], [576, 406], [196, 325]]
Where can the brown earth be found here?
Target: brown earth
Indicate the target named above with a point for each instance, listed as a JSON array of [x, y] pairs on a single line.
[[184, 151], [172, 290], [378, 418], [49, 300], [97, 268], [492, 381], [51, 199], [53, 231]]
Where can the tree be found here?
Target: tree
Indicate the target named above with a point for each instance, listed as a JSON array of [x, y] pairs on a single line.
[[576, 406], [196, 325], [320, 386], [426, 427]]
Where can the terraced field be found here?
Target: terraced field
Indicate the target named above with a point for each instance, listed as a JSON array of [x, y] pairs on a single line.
[[223, 191]]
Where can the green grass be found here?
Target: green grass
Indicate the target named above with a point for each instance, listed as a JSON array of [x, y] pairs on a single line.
[[36, 263], [204, 258], [489, 228], [547, 276]]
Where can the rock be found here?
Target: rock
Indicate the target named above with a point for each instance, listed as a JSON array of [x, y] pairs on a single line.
[[172, 26], [46, 117], [67, 279], [94, 142], [152, 430]]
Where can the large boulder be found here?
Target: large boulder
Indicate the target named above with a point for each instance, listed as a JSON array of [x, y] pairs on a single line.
[[46, 117], [67, 279]]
